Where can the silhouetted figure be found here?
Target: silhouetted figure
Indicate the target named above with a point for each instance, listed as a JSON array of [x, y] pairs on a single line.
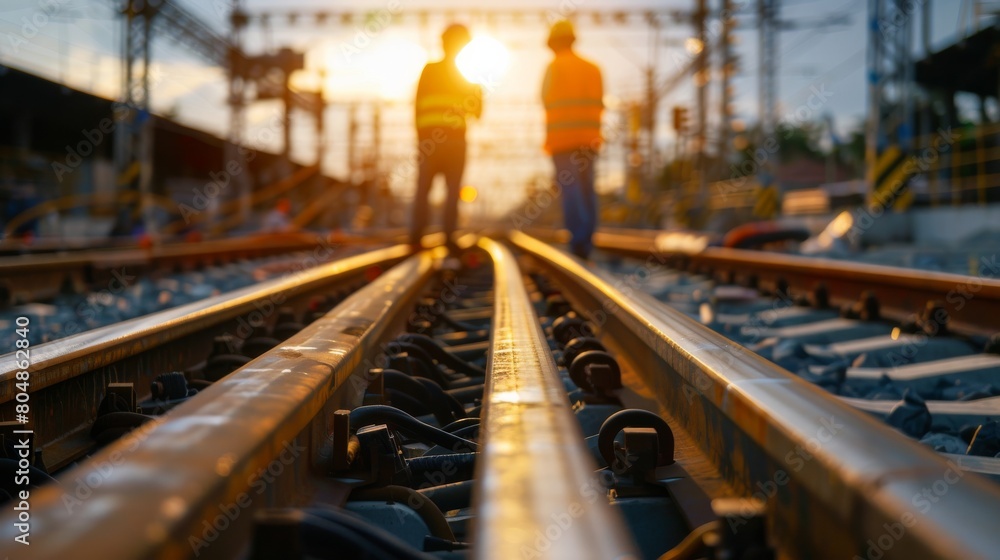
[[573, 96], [444, 100]]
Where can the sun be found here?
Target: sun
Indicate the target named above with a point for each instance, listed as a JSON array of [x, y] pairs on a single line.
[[483, 60]]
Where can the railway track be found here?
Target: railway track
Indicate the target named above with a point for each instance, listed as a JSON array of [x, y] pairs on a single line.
[[914, 348], [70, 377], [970, 303], [520, 407], [40, 276], [75, 291]]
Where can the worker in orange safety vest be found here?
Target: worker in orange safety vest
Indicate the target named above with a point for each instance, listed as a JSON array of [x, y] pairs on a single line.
[[445, 99], [573, 93]]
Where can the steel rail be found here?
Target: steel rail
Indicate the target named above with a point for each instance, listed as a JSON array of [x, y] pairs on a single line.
[[228, 248], [972, 302], [535, 476], [69, 376], [40, 276], [256, 438], [19, 247], [838, 479]]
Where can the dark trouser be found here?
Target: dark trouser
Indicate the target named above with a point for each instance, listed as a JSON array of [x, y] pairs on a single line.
[[575, 178], [447, 157]]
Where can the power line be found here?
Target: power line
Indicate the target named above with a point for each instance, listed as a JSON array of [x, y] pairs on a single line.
[[491, 15]]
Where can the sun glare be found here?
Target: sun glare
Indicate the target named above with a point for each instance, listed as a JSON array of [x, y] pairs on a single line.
[[398, 63], [483, 60]]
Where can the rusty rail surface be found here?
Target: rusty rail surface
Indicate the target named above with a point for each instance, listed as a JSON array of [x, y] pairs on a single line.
[[257, 438], [534, 466], [837, 480], [69, 376]]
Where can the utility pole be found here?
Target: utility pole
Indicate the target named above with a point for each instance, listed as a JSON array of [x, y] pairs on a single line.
[[768, 70], [286, 118], [633, 155], [272, 73], [768, 94], [371, 157], [133, 138], [352, 142], [376, 140], [320, 125], [726, 69], [652, 102], [701, 80], [649, 124], [872, 130], [237, 101], [889, 132]]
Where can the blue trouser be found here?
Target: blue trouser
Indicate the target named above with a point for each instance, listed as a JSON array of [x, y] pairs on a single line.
[[575, 177]]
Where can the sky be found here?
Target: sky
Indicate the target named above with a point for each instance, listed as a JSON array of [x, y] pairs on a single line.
[[80, 47]]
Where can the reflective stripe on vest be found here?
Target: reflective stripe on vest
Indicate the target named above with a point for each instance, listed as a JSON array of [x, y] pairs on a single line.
[[449, 119], [581, 124], [573, 105], [440, 101], [445, 98], [445, 110], [574, 102]]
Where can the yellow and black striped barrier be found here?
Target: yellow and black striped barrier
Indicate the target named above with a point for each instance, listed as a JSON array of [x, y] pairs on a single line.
[[892, 172]]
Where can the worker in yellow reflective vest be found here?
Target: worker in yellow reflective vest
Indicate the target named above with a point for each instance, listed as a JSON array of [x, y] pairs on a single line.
[[445, 99], [573, 96]]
